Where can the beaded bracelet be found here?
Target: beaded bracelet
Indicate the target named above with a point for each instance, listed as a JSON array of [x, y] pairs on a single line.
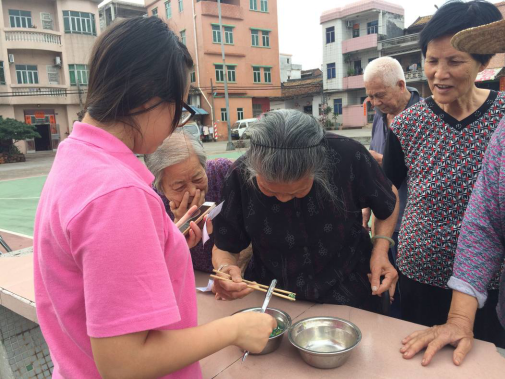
[[390, 240]]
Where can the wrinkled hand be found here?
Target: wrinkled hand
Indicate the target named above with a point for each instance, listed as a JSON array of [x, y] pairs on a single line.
[[180, 209], [381, 266], [195, 233], [210, 228], [226, 290], [367, 213], [377, 157], [456, 332], [253, 330]]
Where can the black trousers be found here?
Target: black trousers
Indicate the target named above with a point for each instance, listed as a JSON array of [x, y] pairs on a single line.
[[429, 305]]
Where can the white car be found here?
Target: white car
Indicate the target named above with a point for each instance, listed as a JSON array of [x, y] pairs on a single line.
[[193, 129], [238, 128]]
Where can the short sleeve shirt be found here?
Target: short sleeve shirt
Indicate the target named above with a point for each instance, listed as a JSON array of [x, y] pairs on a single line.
[[312, 246]]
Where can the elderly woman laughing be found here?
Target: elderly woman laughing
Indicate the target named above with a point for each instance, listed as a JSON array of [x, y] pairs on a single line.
[[297, 195]]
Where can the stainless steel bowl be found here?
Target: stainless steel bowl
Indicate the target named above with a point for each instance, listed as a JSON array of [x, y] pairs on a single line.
[[283, 320], [324, 342]]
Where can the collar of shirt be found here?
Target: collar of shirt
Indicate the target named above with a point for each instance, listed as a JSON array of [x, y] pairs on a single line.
[[100, 139]]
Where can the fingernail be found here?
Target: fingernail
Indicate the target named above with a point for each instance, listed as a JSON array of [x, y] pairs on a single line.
[[406, 354], [423, 362], [374, 288], [458, 362]]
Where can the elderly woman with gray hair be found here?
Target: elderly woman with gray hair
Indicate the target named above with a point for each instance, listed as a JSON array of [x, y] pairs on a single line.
[[297, 196], [183, 177]]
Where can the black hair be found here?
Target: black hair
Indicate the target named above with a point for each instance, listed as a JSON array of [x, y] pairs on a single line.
[[133, 61], [455, 16]]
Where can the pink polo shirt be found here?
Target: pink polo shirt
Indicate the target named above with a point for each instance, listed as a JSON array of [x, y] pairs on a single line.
[[108, 260]]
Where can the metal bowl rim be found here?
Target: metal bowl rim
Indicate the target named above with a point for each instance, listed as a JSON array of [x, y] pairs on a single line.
[[288, 318], [358, 339]]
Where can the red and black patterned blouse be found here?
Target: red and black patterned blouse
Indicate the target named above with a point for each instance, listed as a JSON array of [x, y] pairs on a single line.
[[441, 158]]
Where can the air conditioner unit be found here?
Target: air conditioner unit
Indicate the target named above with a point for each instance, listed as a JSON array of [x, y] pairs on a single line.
[[349, 24], [57, 61], [11, 58]]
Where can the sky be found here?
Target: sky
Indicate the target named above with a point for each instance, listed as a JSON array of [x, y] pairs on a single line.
[[300, 31]]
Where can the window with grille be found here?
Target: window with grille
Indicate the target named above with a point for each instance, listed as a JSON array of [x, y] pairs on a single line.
[[168, 9], [216, 34], [266, 38], [240, 113], [257, 74], [255, 37], [78, 74], [20, 19], [219, 73], [231, 73], [79, 22], [330, 34], [27, 74], [257, 110], [228, 35], [268, 75], [2, 73], [224, 114], [337, 106], [372, 27]]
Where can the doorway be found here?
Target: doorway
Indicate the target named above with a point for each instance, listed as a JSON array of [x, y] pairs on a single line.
[[44, 142]]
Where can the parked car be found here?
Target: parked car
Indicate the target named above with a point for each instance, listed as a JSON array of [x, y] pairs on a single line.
[[238, 128], [193, 129]]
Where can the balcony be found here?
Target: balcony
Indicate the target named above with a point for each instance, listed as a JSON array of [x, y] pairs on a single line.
[[359, 43], [41, 94], [415, 76], [209, 8], [353, 82], [406, 43], [33, 40]]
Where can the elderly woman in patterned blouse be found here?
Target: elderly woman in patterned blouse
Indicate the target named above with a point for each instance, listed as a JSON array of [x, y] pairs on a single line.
[[438, 145], [183, 177], [297, 195]]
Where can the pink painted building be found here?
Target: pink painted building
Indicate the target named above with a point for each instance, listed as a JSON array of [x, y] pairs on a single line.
[[44, 50], [250, 35], [351, 35]]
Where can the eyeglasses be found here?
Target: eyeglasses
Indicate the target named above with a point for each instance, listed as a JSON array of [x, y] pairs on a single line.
[[187, 113]]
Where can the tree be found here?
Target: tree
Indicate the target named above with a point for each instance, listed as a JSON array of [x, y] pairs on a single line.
[[12, 131], [324, 118]]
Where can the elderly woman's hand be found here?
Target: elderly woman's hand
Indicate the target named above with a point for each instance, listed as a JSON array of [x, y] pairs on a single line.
[[226, 290], [195, 233], [381, 266], [180, 209]]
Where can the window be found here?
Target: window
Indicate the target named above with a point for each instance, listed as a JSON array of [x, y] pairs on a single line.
[[331, 71], [79, 22], [372, 27], [53, 75], [168, 9], [357, 68], [228, 35], [27, 74], [183, 37], [78, 74], [224, 114], [20, 19], [2, 73], [266, 38], [371, 59], [257, 110], [155, 12], [181, 6], [216, 34], [257, 74], [47, 21], [330, 34], [267, 74], [253, 5], [240, 113], [264, 5], [255, 37], [231, 73], [337, 106], [288, 60], [219, 73], [355, 31], [193, 77]]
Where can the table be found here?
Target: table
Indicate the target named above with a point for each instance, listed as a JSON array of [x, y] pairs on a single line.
[[377, 356]]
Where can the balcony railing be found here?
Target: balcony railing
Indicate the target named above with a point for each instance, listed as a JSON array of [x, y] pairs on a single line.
[[414, 75], [408, 39], [31, 36], [36, 91], [209, 8]]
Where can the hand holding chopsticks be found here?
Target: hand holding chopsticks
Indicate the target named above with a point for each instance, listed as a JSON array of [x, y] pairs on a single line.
[[255, 286]]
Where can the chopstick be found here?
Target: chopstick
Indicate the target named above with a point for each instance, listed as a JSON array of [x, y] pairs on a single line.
[[254, 287], [254, 283]]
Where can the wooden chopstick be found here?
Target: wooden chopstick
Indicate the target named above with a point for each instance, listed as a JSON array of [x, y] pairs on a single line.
[[254, 287], [254, 283]]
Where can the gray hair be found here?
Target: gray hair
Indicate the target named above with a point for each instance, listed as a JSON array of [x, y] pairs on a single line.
[[287, 145], [387, 69], [175, 149]]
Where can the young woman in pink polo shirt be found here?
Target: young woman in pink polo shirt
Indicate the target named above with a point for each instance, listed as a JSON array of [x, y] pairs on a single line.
[[114, 281]]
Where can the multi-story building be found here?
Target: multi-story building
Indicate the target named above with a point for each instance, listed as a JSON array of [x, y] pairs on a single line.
[[289, 70], [44, 50], [111, 10], [250, 35], [350, 37]]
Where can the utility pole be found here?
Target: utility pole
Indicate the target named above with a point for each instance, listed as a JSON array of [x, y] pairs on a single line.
[[214, 123], [229, 145]]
